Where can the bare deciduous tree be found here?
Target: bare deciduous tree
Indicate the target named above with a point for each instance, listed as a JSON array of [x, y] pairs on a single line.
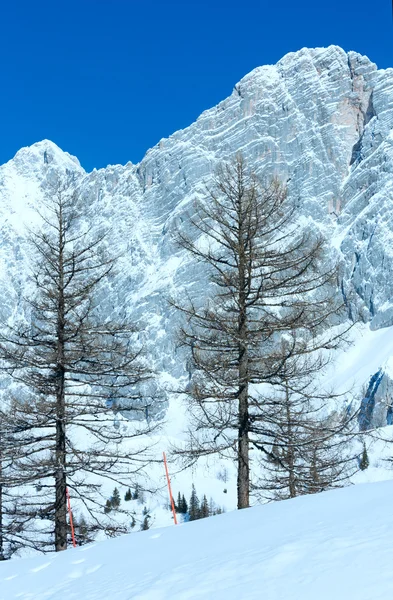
[[16, 524], [268, 276], [75, 368], [305, 443]]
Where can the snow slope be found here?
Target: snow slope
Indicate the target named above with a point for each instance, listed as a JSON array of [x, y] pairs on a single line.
[[332, 545]]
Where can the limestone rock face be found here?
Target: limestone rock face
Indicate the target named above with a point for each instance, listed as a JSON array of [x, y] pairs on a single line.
[[320, 119]]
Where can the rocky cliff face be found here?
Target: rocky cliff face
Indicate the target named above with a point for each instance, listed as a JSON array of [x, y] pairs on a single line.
[[320, 119]]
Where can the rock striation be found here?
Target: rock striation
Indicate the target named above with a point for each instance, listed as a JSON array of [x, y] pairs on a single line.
[[320, 119]]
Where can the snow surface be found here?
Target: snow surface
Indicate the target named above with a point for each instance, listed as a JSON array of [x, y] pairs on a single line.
[[370, 350], [331, 545], [305, 130]]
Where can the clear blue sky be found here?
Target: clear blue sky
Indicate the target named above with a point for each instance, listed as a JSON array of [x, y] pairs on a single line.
[[106, 79]]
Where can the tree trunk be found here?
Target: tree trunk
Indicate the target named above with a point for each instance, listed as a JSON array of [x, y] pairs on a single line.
[[60, 473], [290, 451], [1, 511], [243, 473]]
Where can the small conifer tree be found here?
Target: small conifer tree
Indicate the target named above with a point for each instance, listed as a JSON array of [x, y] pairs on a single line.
[[181, 505], [145, 524], [212, 507], [138, 494], [115, 500], [83, 532], [135, 495], [204, 510], [194, 509], [184, 505], [364, 462], [128, 495], [108, 507]]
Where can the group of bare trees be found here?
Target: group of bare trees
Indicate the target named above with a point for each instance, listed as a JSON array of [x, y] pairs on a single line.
[[262, 339], [258, 345], [71, 368]]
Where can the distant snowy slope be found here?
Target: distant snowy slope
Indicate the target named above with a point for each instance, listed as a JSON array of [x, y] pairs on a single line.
[[335, 545]]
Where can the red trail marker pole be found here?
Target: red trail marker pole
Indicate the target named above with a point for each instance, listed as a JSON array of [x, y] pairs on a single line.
[[70, 515], [169, 489]]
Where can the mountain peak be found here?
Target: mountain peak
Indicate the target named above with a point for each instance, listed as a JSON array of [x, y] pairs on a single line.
[[41, 155], [322, 59]]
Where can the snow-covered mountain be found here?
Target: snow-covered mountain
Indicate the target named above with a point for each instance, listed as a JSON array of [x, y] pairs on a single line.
[[320, 119], [330, 545]]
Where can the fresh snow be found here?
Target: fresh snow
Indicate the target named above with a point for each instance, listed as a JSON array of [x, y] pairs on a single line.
[[332, 545], [304, 130], [369, 351]]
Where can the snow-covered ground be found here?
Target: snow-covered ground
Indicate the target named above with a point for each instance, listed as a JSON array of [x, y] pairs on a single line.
[[332, 545], [216, 477], [370, 350]]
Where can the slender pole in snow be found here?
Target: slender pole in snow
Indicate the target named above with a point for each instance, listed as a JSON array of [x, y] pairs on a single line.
[[169, 489], [71, 521]]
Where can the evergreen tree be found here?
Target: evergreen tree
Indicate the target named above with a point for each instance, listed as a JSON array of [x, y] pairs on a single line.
[[204, 509], [138, 494], [184, 505], [181, 505], [194, 509], [115, 500], [145, 524], [128, 495], [364, 462], [212, 507], [108, 507], [82, 531]]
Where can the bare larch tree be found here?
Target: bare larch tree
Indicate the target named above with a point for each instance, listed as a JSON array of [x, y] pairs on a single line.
[[268, 276], [75, 368], [304, 434], [16, 523]]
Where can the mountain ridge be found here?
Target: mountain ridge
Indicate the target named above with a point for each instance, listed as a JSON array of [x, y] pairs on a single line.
[[320, 120]]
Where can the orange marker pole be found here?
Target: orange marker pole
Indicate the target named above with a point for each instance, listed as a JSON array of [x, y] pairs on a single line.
[[71, 521], [169, 489]]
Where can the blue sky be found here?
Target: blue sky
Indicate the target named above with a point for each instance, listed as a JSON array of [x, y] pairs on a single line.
[[106, 79]]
